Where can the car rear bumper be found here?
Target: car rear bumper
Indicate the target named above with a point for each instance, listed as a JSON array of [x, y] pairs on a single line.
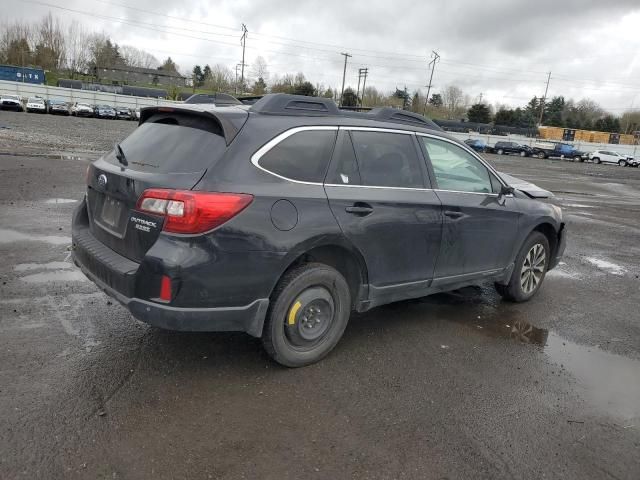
[[116, 276]]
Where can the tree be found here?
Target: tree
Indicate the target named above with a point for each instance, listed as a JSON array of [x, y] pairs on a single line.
[[259, 69], [284, 84], [479, 113], [168, 66], [553, 112], [328, 93], [349, 98], [404, 96], [78, 53], [416, 103], [103, 53], [198, 76], [50, 44], [15, 43], [220, 79], [134, 57], [436, 100], [206, 72], [608, 123], [453, 101], [304, 88], [259, 87]]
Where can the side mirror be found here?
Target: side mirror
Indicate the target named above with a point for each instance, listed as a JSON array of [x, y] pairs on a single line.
[[506, 190]]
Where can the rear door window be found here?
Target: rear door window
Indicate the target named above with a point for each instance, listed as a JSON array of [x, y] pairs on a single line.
[[387, 159], [173, 144], [303, 156], [344, 167]]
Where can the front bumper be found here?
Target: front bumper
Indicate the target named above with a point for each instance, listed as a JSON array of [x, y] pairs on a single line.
[[115, 275], [562, 244]]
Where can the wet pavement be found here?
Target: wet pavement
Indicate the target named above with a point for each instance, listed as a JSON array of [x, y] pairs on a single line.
[[457, 385]]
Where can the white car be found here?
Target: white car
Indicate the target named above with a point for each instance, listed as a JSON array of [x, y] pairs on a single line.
[[609, 156], [11, 102], [36, 104], [82, 110]]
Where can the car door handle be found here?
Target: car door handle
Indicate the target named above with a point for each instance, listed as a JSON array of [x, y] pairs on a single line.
[[361, 209], [453, 214]]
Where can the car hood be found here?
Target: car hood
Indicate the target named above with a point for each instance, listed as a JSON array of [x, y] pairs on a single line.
[[529, 189]]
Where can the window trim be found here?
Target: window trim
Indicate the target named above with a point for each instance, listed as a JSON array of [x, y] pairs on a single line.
[[255, 158]]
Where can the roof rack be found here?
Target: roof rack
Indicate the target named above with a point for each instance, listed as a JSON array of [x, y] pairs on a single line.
[[285, 104]]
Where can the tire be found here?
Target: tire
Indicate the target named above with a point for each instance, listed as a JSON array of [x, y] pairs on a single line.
[[523, 153], [500, 151], [308, 313], [622, 163], [577, 158], [526, 281], [595, 160], [541, 155]]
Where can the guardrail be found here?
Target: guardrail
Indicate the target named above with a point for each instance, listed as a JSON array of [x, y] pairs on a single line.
[[71, 95]]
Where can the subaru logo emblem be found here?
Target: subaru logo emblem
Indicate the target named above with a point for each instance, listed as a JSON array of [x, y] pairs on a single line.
[[102, 180]]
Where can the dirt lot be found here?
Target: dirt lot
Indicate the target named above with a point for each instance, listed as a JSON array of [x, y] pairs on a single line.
[[460, 385]]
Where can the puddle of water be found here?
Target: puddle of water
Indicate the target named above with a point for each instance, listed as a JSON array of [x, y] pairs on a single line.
[[611, 382], [55, 276], [60, 200], [606, 265], [11, 236], [24, 267]]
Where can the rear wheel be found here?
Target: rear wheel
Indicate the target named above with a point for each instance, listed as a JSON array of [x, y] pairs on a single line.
[[307, 316], [541, 155], [577, 158], [529, 271]]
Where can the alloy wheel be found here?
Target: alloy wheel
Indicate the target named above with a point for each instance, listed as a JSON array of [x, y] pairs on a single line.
[[533, 268]]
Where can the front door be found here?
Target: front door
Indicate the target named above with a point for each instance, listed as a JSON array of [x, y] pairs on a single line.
[[377, 193], [480, 225]]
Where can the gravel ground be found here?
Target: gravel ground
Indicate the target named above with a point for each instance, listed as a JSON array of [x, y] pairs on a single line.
[[459, 385], [43, 133]]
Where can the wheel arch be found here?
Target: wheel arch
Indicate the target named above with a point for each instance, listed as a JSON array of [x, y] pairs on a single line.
[[337, 252], [551, 233]]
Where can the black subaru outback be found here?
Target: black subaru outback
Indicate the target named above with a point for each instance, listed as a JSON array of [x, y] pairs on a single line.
[[281, 219]]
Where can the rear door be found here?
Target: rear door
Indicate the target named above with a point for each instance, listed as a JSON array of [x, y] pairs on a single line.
[[480, 226], [169, 150], [377, 192]]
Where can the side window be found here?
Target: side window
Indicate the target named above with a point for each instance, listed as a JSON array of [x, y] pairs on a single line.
[[387, 159], [455, 169], [344, 168], [304, 156]]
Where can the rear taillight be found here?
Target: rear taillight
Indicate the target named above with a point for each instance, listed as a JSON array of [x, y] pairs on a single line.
[[186, 211]]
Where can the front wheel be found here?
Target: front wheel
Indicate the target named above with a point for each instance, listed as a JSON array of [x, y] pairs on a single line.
[[622, 163], [529, 270], [596, 160], [500, 151], [523, 153], [308, 313]]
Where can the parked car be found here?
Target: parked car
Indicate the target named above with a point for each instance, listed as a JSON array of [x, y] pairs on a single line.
[[81, 110], [58, 107], [610, 156], [104, 111], [512, 148], [36, 105], [281, 219], [477, 145], [135, 114], [557, 150], [123, 113], [11, 102]]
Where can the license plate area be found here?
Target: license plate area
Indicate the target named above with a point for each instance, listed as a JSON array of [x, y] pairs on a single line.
[[110, 216]]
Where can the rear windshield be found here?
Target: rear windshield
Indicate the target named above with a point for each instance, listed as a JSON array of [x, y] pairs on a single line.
[[172, 144]]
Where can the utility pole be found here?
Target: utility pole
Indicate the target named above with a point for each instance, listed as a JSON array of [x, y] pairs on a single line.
[[364, 84], [544, 99], [243, 39], [344, 74], [432, 63], [480, 100], [362, 73]]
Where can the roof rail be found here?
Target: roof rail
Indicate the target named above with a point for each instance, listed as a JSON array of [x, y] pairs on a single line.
[[390, 114], [285, 104]]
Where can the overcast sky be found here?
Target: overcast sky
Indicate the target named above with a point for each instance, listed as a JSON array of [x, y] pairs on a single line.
[[501, 49]]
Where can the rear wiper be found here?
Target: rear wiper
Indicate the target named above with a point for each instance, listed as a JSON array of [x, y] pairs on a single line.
[[120, 155]]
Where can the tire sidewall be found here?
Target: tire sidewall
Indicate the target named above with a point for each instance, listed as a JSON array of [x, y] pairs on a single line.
[[319, 275], [515, 286]]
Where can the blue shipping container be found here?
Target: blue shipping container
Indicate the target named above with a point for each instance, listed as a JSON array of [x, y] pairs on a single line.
[[21, 74]]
